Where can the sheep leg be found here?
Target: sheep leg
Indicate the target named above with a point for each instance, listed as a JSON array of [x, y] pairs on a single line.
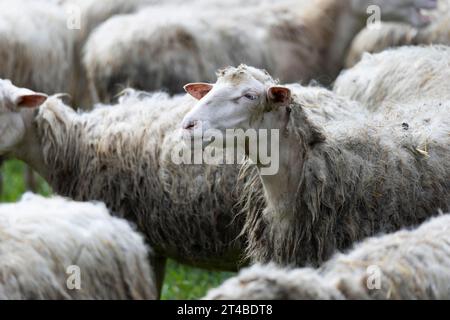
[[158, 263], [93, 91], [30, 180], [1, 176]]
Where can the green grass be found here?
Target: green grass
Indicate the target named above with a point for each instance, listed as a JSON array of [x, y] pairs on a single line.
[[182, 282], [14, 182]]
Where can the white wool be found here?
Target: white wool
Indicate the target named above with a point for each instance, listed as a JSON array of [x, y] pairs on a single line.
[[341, 178], [167, 46], [406, 264], [269, 282], [188, 42], [41, 238], [40, 45], [91, 13], [375, 40], [94, 12], [122, 154], [400, 75], [389, 35], [35, 45]]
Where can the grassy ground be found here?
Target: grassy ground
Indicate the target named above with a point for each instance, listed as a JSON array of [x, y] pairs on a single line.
[[181, 282]]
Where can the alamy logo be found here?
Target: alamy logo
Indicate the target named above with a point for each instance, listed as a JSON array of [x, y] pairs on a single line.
[[373, 277], [374, 19], [73, 21], [74, 279], [208, 147]]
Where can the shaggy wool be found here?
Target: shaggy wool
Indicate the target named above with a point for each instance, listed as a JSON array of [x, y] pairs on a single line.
[[408, 264], [41, 239]]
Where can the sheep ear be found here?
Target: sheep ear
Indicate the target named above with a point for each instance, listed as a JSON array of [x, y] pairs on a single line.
[[280, 96], [30, 100], [198, 90]]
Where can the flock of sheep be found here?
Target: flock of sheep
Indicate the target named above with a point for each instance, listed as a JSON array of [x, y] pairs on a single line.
[[364, 151]]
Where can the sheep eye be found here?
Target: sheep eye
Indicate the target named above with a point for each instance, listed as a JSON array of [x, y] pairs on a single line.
[[250, 96]]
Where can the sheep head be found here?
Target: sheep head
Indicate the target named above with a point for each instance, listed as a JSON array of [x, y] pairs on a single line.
[[12, 101], [407, 11], [242, 98]]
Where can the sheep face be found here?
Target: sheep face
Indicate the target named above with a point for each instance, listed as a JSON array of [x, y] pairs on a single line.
[[408, 11], [12, 100], [238, 100]]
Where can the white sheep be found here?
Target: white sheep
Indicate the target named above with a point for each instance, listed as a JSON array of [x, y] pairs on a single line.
[[374, 40], [408, 264], [388, 35], [61, 249], [91, 14], [335, 177], [40, 44], [84, 16], [399, 75], [36, 48], [163, 47], [122, 155]]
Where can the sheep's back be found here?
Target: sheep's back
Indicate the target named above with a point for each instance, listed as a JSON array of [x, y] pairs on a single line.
[[44, 241]]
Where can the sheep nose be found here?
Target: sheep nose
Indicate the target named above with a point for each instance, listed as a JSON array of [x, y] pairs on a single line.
[[190, 124]]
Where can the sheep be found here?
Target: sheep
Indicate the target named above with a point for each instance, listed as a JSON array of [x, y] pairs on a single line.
[[408, 264], [33, 40], [121, 155], [271, 282], [91, 14], [40, 52], [36, 48], [399, 75], [39, 49], [371, 40], [94, 13], [387, 35], [45, 242], [166, 46], [340, 177]]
